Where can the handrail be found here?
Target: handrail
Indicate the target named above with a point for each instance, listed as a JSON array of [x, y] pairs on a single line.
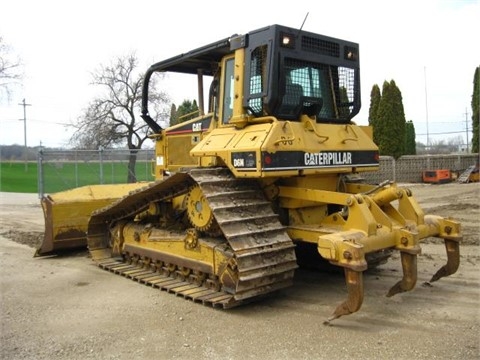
[[348, 126], [286, 139], [312, 128]]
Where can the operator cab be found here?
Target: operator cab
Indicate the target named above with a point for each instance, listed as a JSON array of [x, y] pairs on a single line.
[[289, 73], [274, 71]]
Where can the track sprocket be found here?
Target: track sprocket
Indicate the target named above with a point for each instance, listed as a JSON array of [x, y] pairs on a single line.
[[199, 212]]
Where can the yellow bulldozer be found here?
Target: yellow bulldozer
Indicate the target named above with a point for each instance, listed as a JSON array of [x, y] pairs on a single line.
[[266, 179]]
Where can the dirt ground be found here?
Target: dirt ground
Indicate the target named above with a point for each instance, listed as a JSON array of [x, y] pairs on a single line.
[[65, 307]]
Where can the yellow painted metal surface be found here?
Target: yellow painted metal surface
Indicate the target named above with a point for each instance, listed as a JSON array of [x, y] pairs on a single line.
[[180, 246], [368, 224], [67, 213], [276, 136]]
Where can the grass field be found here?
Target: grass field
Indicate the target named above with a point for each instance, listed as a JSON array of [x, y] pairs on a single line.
[[14, 177]]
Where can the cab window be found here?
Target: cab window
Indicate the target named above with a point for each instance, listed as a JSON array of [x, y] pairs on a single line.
[[228, 91]]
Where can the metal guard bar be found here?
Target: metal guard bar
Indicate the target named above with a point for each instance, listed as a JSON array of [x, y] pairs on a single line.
[[189, 63]]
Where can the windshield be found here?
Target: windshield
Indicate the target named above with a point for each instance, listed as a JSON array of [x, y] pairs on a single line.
[[324, 91]]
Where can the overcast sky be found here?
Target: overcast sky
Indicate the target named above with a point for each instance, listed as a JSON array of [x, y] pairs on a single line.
[[429, 47]]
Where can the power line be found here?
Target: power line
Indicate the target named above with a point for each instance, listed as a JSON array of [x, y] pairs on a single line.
[[445, 133], [33, 120], [446, 122]]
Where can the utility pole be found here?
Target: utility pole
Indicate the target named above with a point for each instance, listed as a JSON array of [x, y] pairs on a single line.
[[426, 107], [24, 104], [466, 126]]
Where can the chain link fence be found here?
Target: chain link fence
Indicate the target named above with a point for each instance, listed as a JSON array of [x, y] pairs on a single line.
[[409, 168], [60, 170]]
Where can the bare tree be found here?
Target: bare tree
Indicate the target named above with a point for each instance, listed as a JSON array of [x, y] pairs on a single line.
[[113, 117], [10, 68]]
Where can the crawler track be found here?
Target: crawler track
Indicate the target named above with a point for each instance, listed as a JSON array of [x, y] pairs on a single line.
[[262, 254], [187, 289]]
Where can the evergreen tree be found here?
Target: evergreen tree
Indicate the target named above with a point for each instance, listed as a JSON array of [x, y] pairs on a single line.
[[173, 114], [383, 112], [344, 111], [375, 97], [186, 111], [398, 122], [410, 145], [476, 109], [390, 122]]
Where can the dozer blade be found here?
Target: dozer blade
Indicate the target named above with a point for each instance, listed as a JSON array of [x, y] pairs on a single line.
[[67, 214]]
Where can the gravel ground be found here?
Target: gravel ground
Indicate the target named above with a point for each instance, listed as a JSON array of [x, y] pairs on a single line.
[[65, 307]]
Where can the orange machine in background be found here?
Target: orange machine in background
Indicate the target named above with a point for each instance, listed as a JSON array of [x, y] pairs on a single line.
[[437, 176]]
